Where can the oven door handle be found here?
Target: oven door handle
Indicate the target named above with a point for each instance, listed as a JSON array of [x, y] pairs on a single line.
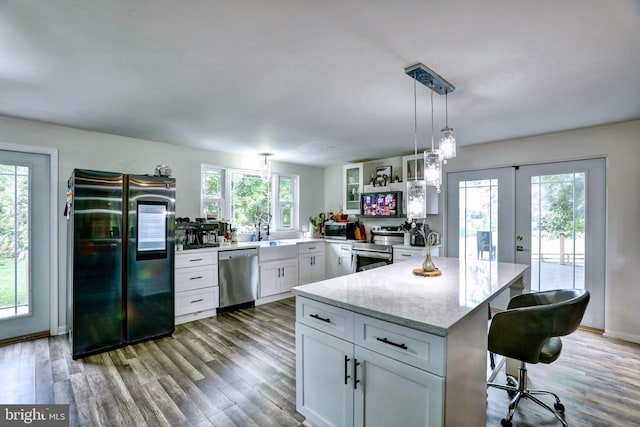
[[379, 255]]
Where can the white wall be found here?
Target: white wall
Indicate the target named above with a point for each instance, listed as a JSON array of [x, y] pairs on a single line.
[[620, 144], [98, 151]]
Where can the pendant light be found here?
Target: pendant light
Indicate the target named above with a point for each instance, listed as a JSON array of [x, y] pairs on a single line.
[[435, 157], [416, 189], [432, 168], [447, 138], [265, 170]]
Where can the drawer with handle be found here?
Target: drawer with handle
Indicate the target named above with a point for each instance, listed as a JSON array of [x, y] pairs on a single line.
[[196, 259], [416, 348], [310, 248], [324, 317], [197, 300], [195, 278]]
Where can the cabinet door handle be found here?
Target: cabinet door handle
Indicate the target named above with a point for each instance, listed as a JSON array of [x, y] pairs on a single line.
[[324, 319], [282, 271], [395, 344], [346, 361], [279, 270], [197, 300], [311, 248], [355, 373], [195, 260], [195, 278], [405, 255], [339, 261]]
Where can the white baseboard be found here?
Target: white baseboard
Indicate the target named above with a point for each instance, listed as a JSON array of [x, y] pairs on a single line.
[[622, 336], [272, 298], [62, 330]]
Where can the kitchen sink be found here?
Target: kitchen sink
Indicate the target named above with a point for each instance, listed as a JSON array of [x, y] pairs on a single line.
[[276, 249]]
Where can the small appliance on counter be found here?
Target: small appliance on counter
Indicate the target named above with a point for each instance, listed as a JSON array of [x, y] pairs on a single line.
[[201, 233], [417, 234]]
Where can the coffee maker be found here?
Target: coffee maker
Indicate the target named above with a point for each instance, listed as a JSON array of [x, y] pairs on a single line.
[[213, 232]]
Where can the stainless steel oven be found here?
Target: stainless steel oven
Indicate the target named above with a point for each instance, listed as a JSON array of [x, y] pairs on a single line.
[[370, 255], [378, 253]]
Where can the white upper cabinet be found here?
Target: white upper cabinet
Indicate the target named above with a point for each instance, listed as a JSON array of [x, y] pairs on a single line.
[[351, 188]]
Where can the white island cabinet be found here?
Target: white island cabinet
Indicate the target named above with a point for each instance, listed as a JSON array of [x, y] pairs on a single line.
[[384, 347]]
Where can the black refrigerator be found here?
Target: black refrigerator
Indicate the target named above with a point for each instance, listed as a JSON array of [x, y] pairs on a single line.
[[120, 259]]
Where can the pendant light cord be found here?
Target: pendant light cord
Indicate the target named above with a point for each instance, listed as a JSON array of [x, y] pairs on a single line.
[[432, 146], [415, 128], [446, 108]]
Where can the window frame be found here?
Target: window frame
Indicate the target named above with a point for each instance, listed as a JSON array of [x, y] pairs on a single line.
[[276, 202], [274, 195], [224, 192]]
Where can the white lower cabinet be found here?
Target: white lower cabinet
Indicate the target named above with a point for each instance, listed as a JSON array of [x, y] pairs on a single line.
[[413, 253], [338, 259], [277, 277], [310, 262], [341, 381], [196, 285]]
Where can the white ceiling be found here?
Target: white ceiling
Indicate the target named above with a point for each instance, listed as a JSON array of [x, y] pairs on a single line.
[[318, 82]]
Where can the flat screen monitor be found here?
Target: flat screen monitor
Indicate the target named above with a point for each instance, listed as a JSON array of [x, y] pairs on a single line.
[[152, 230], [384, 204]]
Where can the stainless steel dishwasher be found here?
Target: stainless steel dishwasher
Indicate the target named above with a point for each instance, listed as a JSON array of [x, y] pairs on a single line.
[[237, 278]]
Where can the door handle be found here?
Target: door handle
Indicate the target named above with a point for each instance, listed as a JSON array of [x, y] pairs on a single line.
[[355, 373], [346, 377], [324, 319], [521, 248]]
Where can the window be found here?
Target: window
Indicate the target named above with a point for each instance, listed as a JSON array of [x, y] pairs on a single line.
[[212, 194], [285, 200], [247, 199]]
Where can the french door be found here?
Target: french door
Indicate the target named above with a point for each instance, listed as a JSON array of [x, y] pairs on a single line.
[[550, 216], [25, 279]]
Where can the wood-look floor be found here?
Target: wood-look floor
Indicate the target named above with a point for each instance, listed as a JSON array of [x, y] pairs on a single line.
[[238, 369]]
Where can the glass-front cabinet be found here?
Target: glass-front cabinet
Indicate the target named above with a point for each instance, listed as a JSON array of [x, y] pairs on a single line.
[[413, 168], [351, 188]]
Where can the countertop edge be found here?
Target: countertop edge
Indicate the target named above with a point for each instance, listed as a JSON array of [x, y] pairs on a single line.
[[402, 321]]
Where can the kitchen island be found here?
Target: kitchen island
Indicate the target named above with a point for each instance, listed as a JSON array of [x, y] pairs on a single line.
[[386, 347]]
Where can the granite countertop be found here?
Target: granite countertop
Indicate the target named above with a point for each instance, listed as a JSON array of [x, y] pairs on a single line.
[[431, 304], [244, 245]]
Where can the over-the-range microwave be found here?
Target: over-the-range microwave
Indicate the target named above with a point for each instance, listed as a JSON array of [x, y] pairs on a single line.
[[339, 230]]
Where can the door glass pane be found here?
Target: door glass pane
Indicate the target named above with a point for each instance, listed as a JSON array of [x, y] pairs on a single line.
[[352, 195], [15, 297], [557, 231], [478, 222]]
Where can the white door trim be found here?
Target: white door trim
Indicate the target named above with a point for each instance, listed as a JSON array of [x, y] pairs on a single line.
[[54, 296]]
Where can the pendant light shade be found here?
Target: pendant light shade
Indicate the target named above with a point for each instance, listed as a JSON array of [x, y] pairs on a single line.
[[447, 137], [432, 169], [265, 170], [416, 199], [447, 144]]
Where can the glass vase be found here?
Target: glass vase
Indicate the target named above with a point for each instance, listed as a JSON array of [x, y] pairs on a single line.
[[428, 264]]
